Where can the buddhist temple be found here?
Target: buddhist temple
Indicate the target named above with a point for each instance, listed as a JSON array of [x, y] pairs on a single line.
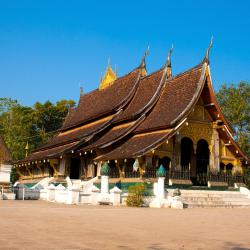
[[5, 165], [137, 122]]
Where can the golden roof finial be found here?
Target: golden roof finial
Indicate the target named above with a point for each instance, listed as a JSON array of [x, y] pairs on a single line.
[[142, 67], [168, 66], [206, 59], [26, 149], [108, 78]]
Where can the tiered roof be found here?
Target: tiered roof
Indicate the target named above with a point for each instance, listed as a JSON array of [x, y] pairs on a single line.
[[135, 114]]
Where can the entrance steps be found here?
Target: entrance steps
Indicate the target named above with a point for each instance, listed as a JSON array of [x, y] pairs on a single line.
[[202, 198]]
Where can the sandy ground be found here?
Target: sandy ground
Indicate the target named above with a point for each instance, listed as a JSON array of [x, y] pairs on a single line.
[[43, 225]]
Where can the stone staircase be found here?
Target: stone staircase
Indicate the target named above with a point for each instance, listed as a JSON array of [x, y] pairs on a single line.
[[204, 198]]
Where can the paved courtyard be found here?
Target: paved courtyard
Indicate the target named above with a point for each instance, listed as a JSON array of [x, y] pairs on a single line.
[[42, 225]]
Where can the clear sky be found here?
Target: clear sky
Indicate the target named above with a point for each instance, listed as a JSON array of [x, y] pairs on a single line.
[[48, 47]]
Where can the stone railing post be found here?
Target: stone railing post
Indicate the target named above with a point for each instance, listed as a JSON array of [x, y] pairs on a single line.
[[159, 200], [104, 195], [115, 196], [73, 195], [160, 188], [51, 192]]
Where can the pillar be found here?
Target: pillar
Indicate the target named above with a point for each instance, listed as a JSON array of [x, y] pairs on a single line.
[[51, 192], [214, 158], [62, 166], [177, 152], [73, 195], [104, 197], [104, 184], [99, 165], [160, 188], [115, 196]]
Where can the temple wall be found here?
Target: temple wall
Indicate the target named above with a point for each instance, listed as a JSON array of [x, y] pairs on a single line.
[[199, 125], [227, 157], [5, 170]]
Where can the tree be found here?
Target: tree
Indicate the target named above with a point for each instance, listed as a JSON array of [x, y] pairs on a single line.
[[235, 103], [36, 125], [13, 175], [17, 128], [48, 118], [6, 104]]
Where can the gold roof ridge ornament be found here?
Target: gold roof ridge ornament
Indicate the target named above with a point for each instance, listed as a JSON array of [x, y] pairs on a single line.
[[109, 77], [168, 66], [26, 149], [206, 58], [143, 68]]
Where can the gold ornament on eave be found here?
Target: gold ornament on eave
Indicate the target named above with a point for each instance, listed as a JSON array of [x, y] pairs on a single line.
[[26, 149]]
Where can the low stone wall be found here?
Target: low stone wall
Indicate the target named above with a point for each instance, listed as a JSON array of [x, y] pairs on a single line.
[[23, 193]]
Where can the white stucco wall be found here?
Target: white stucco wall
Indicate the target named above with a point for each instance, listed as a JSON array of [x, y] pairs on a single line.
[[5, 170]]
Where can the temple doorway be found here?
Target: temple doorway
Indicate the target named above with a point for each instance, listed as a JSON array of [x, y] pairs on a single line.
[[165, 161], [222, 167], [202, 157], [51, 171], [229, 168], [187, 152], [74, 168]]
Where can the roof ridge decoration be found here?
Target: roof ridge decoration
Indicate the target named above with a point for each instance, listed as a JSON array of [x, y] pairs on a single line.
[[206, 58], [143, 112], [109, 77], [168, 66], [142, 67], [161, 86]]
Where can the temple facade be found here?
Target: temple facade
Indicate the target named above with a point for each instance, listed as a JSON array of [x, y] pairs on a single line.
[[138, 122]]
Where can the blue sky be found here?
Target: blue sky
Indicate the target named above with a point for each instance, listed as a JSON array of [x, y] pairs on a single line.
[[48, 47]]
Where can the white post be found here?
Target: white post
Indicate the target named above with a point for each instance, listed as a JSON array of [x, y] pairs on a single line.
[[51, 192], [104, 184], [115, 196], [73, 195], [160, 188], [104, 197], [159, 201]]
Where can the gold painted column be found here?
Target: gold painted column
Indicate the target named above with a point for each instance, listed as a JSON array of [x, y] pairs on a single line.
[[214, 148], [177, 152]]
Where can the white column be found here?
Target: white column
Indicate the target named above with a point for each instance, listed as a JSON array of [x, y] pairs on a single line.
[[51, 192], [115, 196], [160, 188], [104, 184]]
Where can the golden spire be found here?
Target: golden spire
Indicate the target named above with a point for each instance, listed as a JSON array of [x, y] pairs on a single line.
[[206, 59], [143, 63], [27, 149], [108, 78], [168, 66]]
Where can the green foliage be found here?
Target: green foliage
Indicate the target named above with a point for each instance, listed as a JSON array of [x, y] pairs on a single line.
[[135, 195], [235, 103], [161, 171], [6, 104], [36, 125], [105, 169], [13, 175]]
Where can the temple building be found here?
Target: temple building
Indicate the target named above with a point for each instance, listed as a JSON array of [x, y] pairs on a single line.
[[5, 166], [137, 122]]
